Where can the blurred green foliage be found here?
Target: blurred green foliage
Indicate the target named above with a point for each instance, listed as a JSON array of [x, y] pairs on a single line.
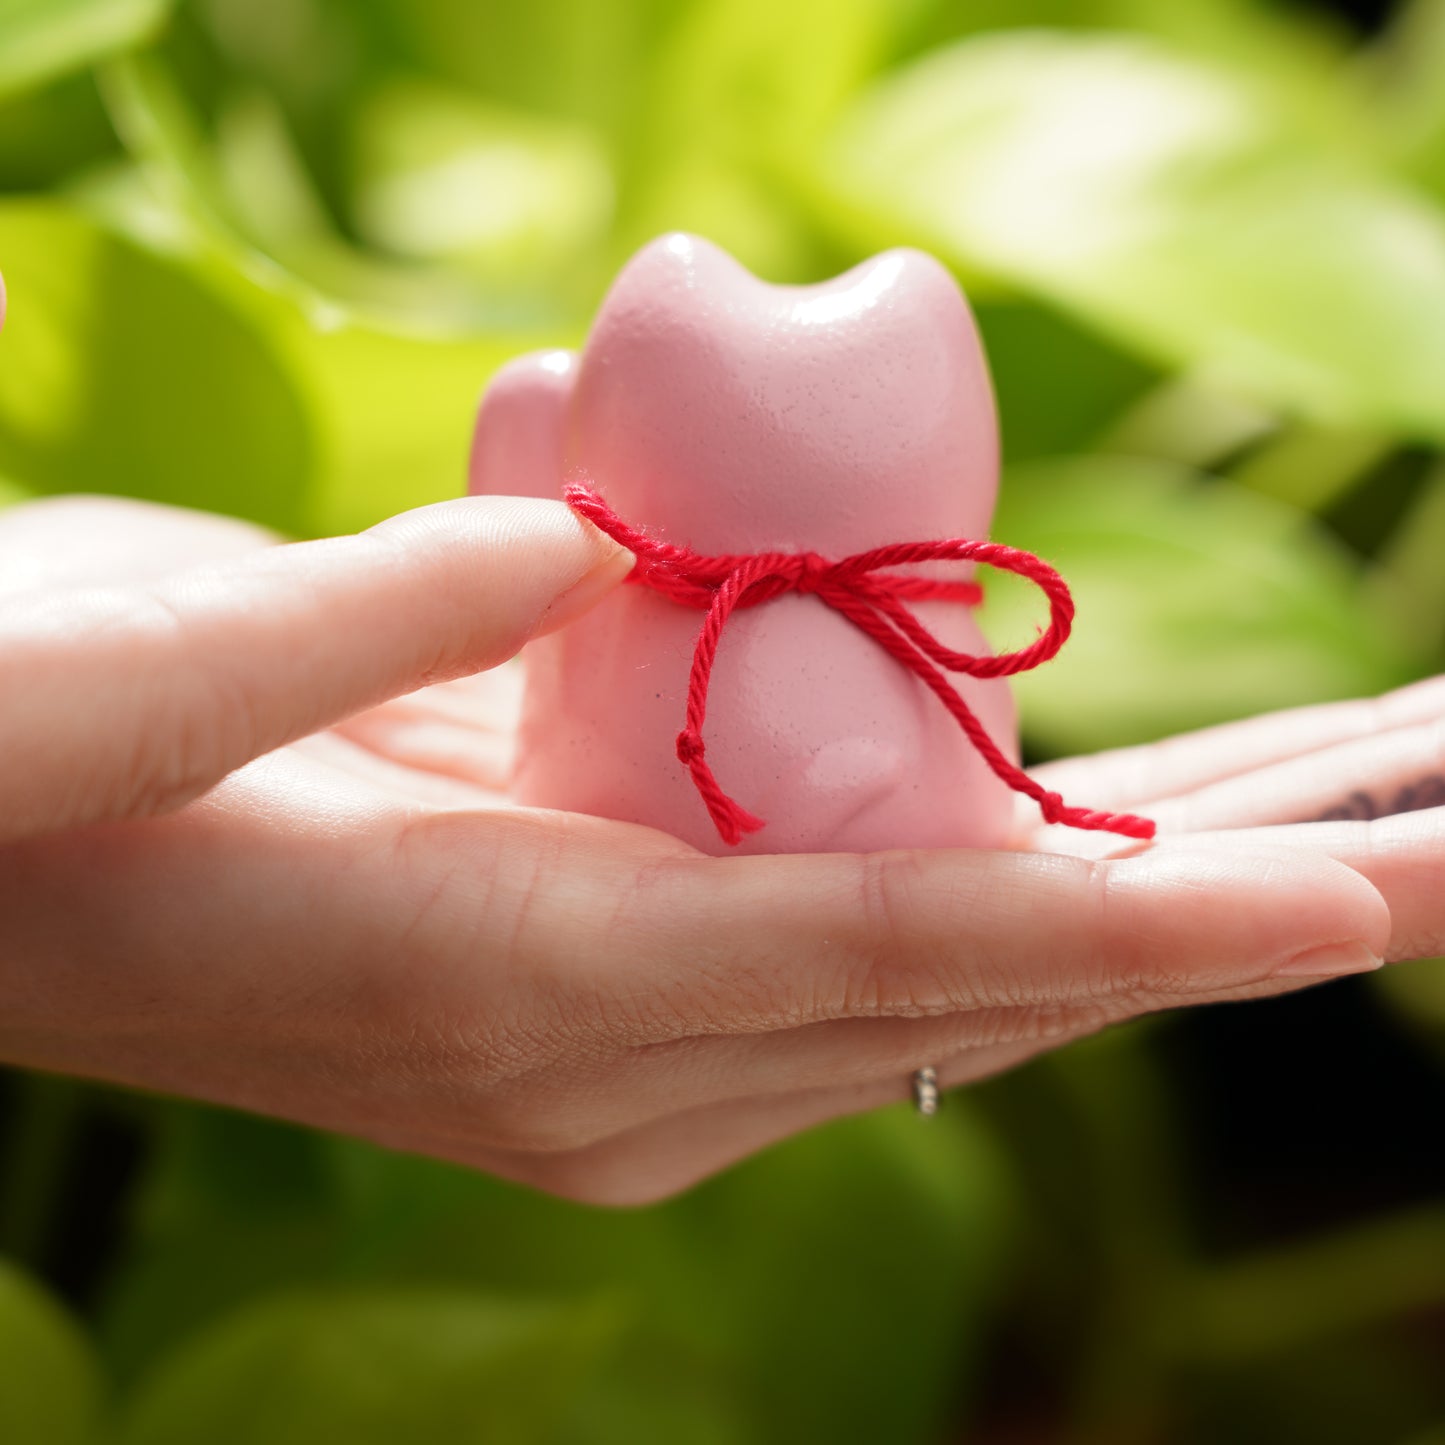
[[262, 255]]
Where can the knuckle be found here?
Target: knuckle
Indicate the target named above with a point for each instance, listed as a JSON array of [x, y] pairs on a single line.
[[1103, 953], [889, 884], [675, 973], [205, 726], [903, 964], [886, 975]]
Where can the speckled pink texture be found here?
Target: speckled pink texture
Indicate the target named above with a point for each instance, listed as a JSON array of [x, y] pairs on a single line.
[[719, 411]]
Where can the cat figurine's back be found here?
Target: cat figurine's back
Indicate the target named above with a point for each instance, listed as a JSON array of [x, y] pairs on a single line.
[[733, 416]]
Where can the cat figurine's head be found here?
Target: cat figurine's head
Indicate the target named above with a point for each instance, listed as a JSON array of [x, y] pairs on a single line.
[[744, 416]]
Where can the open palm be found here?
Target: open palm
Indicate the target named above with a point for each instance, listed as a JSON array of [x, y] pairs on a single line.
[[360, 931]]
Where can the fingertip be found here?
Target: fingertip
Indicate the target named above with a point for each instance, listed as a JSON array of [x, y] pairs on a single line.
[[583, 595], [527, 565], [1278, 903], [1363, 912]]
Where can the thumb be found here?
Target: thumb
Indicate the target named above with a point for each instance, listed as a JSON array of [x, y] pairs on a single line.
[[135, 700]]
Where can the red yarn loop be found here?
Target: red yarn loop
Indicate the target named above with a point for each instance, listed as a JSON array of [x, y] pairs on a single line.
[[871, 597]]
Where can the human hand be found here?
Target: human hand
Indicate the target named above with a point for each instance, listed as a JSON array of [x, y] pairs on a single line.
[[359, 932], [133, 687]]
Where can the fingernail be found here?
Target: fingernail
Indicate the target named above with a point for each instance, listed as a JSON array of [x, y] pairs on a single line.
[[1330, 961], [587, 591]]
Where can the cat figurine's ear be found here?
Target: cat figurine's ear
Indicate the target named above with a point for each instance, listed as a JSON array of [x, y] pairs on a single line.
[[715, 410], [519, 438], [749, 416]]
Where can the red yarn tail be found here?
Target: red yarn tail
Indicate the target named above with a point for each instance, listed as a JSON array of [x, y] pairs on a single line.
[[866, 619], [729, 817]]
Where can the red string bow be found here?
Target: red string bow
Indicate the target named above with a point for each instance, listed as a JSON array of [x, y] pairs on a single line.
[[872, 599]]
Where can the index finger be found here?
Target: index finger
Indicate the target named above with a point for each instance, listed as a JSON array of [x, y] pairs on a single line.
[[121, 702]]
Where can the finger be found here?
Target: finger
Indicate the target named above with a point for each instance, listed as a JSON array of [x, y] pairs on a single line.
[[81, 541], [680, 945], [691, 963], [656, 1160], [602, 944], [1377, 776], [671, 1152], [1136, 776], [380, 966], [782, 941], [1403, 857], [850, 1052], [123, 702], [553, 1110]]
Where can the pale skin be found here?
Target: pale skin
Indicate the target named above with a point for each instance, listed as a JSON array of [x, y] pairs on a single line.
[[256, 848]]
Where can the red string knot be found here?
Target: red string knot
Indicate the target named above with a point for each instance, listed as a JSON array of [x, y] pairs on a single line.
[[1052, 807], [690, 749], [809, 572], [866, 591]]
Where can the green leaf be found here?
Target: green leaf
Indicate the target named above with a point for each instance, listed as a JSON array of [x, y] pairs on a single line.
[[1058, 384], [1410, 581], [1171, 204], [441, 175], [41, 39], [11, 493], [1408, 71], [1188, 421], [1250, 34], [123, 372], [393, 416], [738, 97], [867, 1251], [771, 1301], [1197, 602], [382, 419], [47, 135], [231, 1208], [49, 1385], [246, 193], [1416, 990], [1277, 1301], [578, 58], [374, 1367], [753, 79]]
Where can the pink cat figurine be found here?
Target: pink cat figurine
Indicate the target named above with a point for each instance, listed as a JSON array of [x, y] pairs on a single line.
[[714, 410]]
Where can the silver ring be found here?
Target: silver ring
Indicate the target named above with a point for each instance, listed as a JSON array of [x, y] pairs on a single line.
[[925, 1091]]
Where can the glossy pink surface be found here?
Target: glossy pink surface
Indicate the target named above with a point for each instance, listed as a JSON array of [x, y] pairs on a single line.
[[719, 411]]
